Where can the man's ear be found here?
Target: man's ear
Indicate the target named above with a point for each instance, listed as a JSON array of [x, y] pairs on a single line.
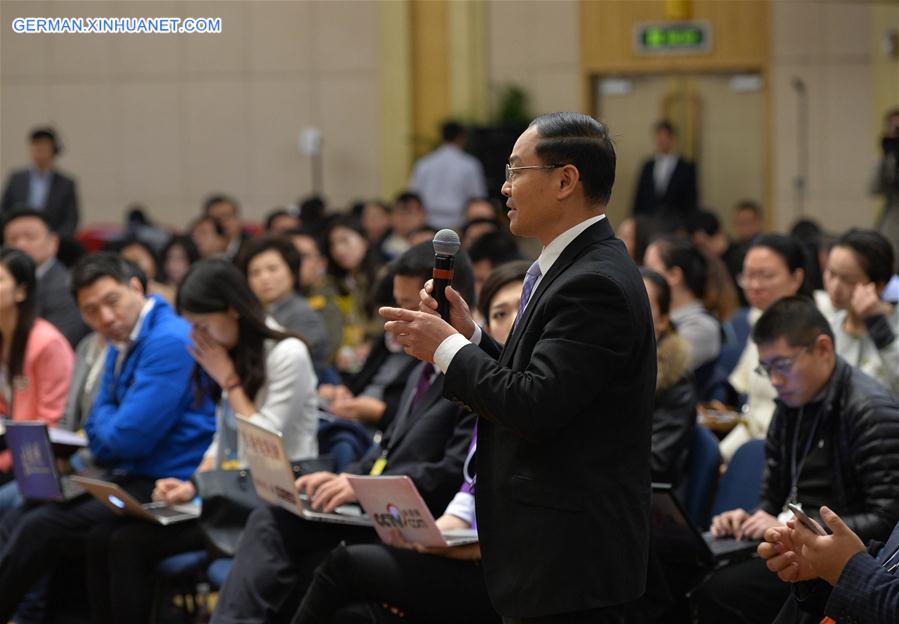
[[568, 177], [135, 285]]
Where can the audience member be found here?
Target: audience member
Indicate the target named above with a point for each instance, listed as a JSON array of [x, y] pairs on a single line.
[[886, 180], [42, 187], [147, 422], [706, 233], [35, 359], [476, 228], [747, 223], [271, 264], [313, 214], [423, 234], [318, 286], [226, 211], [480, 208], [281, 220], [144, 257], [407, 217], [674, 416], [447, 178], [774, 267], [376, 219], [353, 263], [856, 584], [666, 188], [490, 251], [373, 395], [209, 237], [29, 231], [810, 234], [251, 369], [279, 552], [858, 269], [499, 298], [684, 267], [177, 256], [636, 232], [833, 440]]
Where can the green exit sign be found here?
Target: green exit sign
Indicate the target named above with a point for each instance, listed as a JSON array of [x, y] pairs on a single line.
[[673, 37]]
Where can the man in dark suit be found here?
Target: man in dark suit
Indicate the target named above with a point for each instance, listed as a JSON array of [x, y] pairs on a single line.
[[667, 186], [428, 441], [836, 575], [43, 188], [29, 231], [563, 483]]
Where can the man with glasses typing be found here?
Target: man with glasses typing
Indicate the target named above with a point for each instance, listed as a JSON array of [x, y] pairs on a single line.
[[833, 440]]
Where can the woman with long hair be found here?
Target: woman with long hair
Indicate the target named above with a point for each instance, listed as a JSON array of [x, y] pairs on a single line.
[[251, 368], [36, 360]]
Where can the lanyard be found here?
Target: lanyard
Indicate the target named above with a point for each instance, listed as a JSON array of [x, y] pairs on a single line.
[[796, 463]]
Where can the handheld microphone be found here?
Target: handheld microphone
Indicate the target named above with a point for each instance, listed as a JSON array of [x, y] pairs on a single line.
[[446, 245]]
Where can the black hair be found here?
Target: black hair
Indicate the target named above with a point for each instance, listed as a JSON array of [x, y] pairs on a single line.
[[791, 251], [663, 290], [408, 196], [480, 221], [21, 211], [274, 214], [497, 247], [750, 205], [666, 126], [272, 242], [21, 268], [184, 242], [379, 203], [46, 133], [131, 242], [92, 267], [704, 221], [796, 319], [216, 224], [872, 251], [500, 277], [216, 285], [319, 240], [451, 130], [582, 141], [678, 252], [220, 198], [312, 209], [418, 261]]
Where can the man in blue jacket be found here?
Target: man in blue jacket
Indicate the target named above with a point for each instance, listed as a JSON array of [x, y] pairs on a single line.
[[146, 422]]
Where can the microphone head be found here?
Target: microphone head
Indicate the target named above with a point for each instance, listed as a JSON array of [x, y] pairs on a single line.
[[446, 243]]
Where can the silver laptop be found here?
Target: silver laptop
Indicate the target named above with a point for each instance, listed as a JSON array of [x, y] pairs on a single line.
[[122, 503], [274, 478]]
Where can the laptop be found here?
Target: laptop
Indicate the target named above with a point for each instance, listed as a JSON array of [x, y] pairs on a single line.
[[122, 503], [274, 478], [34, 463], [676, 538], [394, 504]]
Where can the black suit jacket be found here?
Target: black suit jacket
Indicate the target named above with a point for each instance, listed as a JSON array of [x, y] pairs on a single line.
[[676, 203], [428, 444], [61, 208], [563, 485], [393, 391], [56, 305]]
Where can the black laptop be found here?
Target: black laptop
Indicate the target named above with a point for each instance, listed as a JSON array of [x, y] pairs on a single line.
[[677, 539]]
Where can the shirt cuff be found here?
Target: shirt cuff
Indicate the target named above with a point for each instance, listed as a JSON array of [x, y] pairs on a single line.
[[448, 349], [462, 506], [476, 336]]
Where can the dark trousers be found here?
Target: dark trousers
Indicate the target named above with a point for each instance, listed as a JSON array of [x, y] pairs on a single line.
[[32, 542], [604, 615], [746, 592], [274, 565], [424, 588], [122, 555]]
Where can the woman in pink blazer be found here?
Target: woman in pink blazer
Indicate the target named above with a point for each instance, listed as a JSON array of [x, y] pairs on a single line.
[[36, 361]]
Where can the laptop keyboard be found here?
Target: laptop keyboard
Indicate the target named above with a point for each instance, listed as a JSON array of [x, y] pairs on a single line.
[[70, 489]]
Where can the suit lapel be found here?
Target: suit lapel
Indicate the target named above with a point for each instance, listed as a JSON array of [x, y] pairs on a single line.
[[595, 233]]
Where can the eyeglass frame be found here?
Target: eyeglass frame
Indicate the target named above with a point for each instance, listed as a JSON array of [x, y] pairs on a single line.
[[781, 369], [510, 169]]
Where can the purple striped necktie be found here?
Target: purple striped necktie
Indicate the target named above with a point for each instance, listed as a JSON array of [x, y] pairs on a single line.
[[530, 279]]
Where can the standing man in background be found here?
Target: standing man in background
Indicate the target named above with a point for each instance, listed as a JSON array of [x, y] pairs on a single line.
[[447, 178], [41, 187], [565, 407], [667, 188]]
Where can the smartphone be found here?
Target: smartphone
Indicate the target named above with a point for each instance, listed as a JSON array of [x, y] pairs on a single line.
[[807, 522]]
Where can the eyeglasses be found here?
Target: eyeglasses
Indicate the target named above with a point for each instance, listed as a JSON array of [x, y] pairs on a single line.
[[744, 279], [511, 170], [781, 366]]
